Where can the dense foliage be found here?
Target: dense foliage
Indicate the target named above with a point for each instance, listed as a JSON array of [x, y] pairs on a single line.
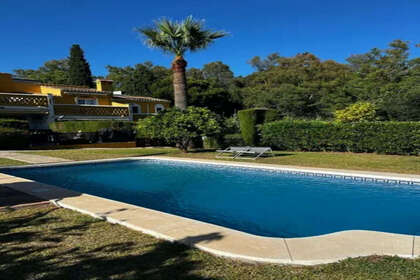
[[381, 137], [182, 127], [357, 112], [79, 73]]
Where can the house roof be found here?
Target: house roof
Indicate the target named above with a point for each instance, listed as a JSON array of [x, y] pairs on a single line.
[[139, 98], [79, 90]]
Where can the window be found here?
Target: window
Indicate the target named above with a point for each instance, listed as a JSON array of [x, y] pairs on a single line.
[[159, 107], [135, 109], [86, 101]]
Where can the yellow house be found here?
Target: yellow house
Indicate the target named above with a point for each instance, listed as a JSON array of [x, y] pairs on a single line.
[[44, 103]]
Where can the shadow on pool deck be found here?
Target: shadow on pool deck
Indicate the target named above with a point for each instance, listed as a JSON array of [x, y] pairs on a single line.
[[30, 252], [10, 197]]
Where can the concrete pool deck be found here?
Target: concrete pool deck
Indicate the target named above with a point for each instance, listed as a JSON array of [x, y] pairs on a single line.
[[226, 242]]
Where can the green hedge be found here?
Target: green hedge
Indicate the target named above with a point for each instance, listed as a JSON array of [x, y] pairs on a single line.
[[381, 137], [248, 121], [89, 126]]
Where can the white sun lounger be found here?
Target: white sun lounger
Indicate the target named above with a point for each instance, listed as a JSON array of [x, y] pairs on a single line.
[[244, 152], [231, 152]]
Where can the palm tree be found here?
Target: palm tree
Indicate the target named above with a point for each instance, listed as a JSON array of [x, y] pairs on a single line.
[[177, 38]]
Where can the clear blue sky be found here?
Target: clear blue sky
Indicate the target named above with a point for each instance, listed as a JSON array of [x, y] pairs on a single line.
[[33, 32]]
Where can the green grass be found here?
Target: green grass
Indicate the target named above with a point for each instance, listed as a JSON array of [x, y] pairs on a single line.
[[90, 154], [51, 243], [10, 162], [368, 162]]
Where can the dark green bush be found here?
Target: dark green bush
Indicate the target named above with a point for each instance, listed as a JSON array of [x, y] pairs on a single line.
[[233, 140], [381, 137], [211, 142], [272, 115], [14, 134], [248, 121], [13, 138]]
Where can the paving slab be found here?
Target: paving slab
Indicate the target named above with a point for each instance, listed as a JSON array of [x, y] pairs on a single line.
[[345, 244], [31, 158], [416, 246]]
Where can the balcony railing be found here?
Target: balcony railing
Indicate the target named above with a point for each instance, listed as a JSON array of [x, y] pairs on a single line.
[[91, 111], [26, 100]]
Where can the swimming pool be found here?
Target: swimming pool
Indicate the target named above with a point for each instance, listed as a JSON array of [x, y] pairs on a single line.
[[257, 201]]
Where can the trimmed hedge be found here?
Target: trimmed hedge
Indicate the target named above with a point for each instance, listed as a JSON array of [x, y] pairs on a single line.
[[70, 132], [14, 134], [402, 138], [248, 121], [89, 126]]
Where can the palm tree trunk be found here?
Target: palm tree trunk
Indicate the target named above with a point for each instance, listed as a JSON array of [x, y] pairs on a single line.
[[180, 82]]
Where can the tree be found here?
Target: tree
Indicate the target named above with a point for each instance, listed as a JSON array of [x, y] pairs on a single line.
[[264, 64], [219, 72], [79, 70], [177, 38], [180, 126], [302, 86], [52, 72], [143, 79]]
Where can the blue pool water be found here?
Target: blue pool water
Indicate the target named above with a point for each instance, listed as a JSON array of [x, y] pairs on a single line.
[[256, 201]]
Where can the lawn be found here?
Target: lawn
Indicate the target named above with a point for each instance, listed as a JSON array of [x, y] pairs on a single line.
[[368, 162], [54, 243], [10, 162]]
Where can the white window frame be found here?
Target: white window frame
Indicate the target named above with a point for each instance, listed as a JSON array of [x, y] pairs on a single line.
[[160, 107], [93, 101]]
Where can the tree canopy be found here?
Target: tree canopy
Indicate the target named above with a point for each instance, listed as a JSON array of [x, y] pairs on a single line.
[[53, 71], [79, 73]]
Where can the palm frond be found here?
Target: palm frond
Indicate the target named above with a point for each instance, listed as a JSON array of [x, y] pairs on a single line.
[[179, 37]]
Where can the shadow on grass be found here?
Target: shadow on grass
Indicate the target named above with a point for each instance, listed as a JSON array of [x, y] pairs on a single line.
[[36, 246]]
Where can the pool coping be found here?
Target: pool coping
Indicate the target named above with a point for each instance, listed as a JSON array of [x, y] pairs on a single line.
[[226, 242]]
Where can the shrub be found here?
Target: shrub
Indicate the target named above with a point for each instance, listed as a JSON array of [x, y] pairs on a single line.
[[248, 120], [234, 139], [181, 127], [357, 112], [14, 123], [381, 137], [210, 142], [14, 134], [272, 115]]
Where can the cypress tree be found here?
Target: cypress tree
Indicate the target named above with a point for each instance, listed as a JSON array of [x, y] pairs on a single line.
[[79, 70]]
